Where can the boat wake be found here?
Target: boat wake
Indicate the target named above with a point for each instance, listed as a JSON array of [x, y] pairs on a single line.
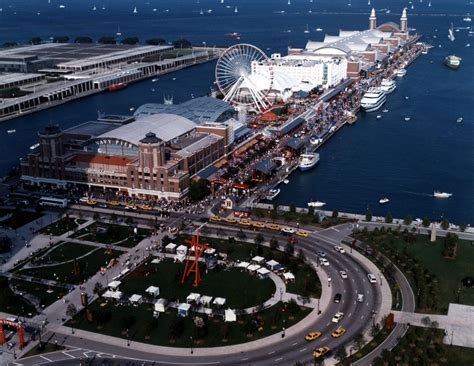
[[421, 194]]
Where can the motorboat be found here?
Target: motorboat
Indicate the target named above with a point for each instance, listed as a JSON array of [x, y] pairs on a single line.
[[401, 72], [315, 140], [388, 85], [467, 19], [379, 116], [459, 120], [384, 200], [452, 61], [272, 193], [11, 131], [316, 204], [319, 29], [154, 80], [407, 119], [437, 194], [286, 181], [306, 30], [308, 161], [32, 147], [385, 110], [373, 99]]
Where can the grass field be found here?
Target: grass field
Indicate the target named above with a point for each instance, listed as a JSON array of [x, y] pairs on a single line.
[[60, 227], [240, 289], [11, 303], [45, 294], [65, 252], [144, 328], [112, 234]]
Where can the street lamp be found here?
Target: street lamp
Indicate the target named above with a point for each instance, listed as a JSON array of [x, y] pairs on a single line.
[[283, 329], [281, 294], [380, 276], [319, 311], [191, 338], [329, 281]]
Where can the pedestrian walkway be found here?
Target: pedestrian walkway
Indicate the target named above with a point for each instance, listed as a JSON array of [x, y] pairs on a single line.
[[458, 324]]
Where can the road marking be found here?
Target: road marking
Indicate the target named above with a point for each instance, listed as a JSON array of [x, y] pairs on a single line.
[[334, 229], [271, 353], [367, 303], [67, 354], [349, 315], [322, 340], [279, 359], [303, 349], [294, 344], [244, 359], [345, 290], [47, 359]]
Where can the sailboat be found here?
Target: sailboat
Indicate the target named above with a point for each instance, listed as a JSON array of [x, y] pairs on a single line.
[[94, 8], [236, 10], [222, 1], [119, 33], [201, 12], [368, 2], [135, 10], [306, 30], [429, 4], [451, 33], [289, 2]]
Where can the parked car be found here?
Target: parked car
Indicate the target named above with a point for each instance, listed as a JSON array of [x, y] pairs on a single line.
[[360, 297], [372, 278]]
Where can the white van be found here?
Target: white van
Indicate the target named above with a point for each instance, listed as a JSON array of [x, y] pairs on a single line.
[[372, 278]]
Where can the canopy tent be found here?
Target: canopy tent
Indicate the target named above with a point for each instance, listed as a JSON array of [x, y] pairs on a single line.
[[153, 291], [288, 276], [136, 299], [161, 305], [219, 301], [183, 309], [253, 267], [114, 285], [273, 265], [205, 300], [230, 316], [210, 251], [117, 295], [193, 297], [243, 264], [263, 272], [258, 259], [170, 248], [182, 249]]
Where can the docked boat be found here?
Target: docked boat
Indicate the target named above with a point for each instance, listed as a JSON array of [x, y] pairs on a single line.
[[316, 204], [307, 29], [315, 140], [232, 35], [452, 61], [467, 19], [401, 72], [384, 200], [308, 161], [272, 193], [437, 194], [32, 147], [11, 131], [373, 99], [388, 85], [286, 181], [116, 87]]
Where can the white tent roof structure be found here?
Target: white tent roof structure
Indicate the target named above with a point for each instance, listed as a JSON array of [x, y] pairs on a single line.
[[184, 307], [243, 264], [258, 259], [193, 297], [153, 290], [230, 316], [160, 305], [182, 249], [117, 295], [135, 298], [220, 301], [170, 246], [205, 300], [253, 267], [289, 276], [114, 285], [272, 263], [263, 271]]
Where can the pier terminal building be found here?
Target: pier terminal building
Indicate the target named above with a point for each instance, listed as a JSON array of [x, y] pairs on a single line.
[[146, 155]]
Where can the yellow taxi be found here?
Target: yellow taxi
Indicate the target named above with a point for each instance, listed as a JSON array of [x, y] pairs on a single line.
[[273, 227], [302, 233], [338, 332], [146, 207], [312, 336], [244, 222], [215, 218], [92, 202], [259, 225], [230, 220], [114, 203], [320, 352]]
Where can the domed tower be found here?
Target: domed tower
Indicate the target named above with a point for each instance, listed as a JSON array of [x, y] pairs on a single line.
[[404, 21], [152, 151], [372, 20], [51, 143]]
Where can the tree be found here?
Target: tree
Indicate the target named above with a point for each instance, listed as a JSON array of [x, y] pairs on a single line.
[[292, 208], [98, 288], [155, 42], [335, 214], [10, 44], [241, 235], [96, 216], [259, 239], [311, 211], [388, 218], [289, 249], [130, 40], [71, 310], [35, 40], [368, 215], [107, 40], [408, 220], [199, 190], [463, 227], [445, 224], [341, 354], [426, 222], [176, 327], [293, 307], [182, 43], [83, 40], [426, 321], [61, 39], [274, 244], [359, 341]]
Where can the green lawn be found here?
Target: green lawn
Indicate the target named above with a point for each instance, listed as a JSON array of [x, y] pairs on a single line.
[[446, 274], [240, 289], [64, 252], [74, 273], [60, 227], [45, 294], [13, 304], [120, 235], [143, 328]]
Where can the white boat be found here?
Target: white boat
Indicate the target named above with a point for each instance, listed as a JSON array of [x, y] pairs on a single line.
[[437, 194], [373, 99], [385, 110], [11, 131], [429, 4], [236, 10], [32, 147], [201, 12], [315, 140], [319, 29], [407, 119], [286, 181], [401, 72], [131, 109], [384, 200], [62, 6], [388, 85], [467, 19], [119, 33], [94, 8], [154, 80], [272, 193], [306, 30], [135, 11], [459, 120], [308, 161], [379, 116], [451, 33], [407, 97], [316, 204]]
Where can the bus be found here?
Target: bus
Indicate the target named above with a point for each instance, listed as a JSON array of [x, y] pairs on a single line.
[[53, 202]]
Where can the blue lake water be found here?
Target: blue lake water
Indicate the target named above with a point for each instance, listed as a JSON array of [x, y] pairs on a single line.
[[404, 161]]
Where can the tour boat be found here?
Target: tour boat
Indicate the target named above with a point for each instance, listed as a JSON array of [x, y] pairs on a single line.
[[384, 200], [11, 131], [373, 99], [401, 72], [452, 61], [316, 204], [314, 140], [308, 161], [437, 194], [388, 85], [32, 147], [272, 193], [116, 87], [232, 35]]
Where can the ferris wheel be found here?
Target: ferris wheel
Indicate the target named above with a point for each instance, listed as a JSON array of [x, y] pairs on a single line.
[[236, 81]]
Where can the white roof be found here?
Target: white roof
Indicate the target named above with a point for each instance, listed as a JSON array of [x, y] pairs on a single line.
[[152, 290], [135, 298], [170, 246], [243, 264], [258, 259], [182, 248], [193, 297], [165, 126], [253, 267], [219, 301], [184, 306], [156, 260], [205, 299], [263, 271], [125, 271], [230, 315], [272, 263], [289, 276], [112, 294], [209, 250], [114, 284]]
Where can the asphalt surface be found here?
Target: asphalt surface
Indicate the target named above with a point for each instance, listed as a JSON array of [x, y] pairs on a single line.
[[357, 316]]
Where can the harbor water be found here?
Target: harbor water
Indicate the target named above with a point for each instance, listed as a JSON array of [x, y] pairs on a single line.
[[390, 157]]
